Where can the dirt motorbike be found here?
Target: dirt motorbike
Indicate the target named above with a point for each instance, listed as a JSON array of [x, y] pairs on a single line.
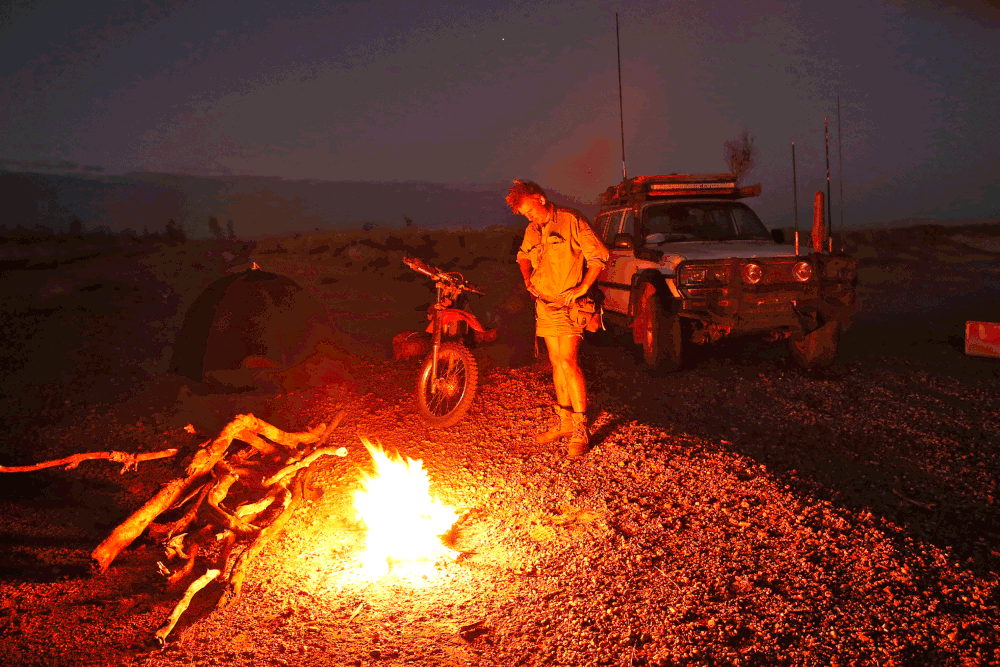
[[448, 376]]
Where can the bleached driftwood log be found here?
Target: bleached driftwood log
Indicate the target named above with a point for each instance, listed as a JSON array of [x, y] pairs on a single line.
[[216, 535], [164, 532], [266, 478], [210, 453], [196, 585], [132, 527]]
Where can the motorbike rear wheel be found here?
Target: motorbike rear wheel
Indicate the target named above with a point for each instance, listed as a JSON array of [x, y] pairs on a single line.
[[444, 400]]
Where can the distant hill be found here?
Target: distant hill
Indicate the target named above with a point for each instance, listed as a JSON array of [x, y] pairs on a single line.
[[52, 201], [256, 205], [261, 206], [918, 222]]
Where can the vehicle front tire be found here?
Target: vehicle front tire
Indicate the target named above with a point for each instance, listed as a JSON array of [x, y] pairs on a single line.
[[818, 348], [662, 338]]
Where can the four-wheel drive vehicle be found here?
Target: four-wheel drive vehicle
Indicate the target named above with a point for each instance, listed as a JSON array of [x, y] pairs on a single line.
[[691, 263]]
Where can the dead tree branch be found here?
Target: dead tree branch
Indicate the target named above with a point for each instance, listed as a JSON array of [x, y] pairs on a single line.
[[132, 527], [196, 585], [128, 461], [211, 453], [264, 483], [162, 532], [245, 560], [298, 465]]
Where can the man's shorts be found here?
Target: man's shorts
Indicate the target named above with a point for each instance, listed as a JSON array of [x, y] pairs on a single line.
[[554, 321]]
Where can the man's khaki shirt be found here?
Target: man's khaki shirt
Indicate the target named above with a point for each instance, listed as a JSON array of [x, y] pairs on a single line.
[[558, 249]]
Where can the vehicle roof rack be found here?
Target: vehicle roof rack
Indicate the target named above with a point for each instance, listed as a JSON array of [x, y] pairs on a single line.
[[643, 188]]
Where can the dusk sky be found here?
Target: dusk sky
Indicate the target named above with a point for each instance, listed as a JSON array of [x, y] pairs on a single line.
[[449, 93]]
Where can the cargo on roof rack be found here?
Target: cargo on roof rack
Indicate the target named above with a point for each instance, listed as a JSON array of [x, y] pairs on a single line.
[[643, 188]]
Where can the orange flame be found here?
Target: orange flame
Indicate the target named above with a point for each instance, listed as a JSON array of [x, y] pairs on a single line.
[[404, 521]]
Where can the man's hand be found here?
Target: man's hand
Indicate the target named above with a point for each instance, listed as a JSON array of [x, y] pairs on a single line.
[[571, 295], [526, 271]]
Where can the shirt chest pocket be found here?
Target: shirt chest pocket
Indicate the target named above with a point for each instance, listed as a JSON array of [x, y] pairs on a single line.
[[555, 243], [556, 249]]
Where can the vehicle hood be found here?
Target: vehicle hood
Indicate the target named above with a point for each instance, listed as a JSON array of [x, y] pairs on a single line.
[[678, 251]]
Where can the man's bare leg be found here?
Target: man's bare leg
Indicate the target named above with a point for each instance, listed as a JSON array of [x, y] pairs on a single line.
[[567, 349], [553, 345], [576, 386], [564, 425], [571, 390]]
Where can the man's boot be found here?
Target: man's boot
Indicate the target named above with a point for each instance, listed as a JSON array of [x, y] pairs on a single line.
[[562, 428], [579, 443]]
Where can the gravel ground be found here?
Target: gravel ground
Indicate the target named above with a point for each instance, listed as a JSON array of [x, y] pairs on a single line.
[[737, 512]]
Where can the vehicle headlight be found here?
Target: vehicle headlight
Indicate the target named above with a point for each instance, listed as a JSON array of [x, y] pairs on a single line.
[[697, 275], [802, 271], [752, 273], [693, 275]]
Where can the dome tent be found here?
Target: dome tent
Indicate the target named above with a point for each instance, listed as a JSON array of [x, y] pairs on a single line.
[[253, 318]]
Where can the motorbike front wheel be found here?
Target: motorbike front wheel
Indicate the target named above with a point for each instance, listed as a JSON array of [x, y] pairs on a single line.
[[444, 400]]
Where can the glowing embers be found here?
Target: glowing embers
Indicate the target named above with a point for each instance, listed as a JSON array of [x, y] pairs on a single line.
[[405, 523]]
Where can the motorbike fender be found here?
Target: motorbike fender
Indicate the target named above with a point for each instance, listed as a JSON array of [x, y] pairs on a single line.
[[450, 315]]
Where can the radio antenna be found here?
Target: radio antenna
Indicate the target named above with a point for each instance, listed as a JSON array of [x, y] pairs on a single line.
[[829, 222], [795, 200], [621, 113], [840, 158]]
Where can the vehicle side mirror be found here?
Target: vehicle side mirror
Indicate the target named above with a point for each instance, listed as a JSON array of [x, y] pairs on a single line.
[[624, 241], [778, 235]]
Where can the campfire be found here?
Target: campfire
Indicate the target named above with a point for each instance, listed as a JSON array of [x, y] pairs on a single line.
[[405, 522], [240, 489]]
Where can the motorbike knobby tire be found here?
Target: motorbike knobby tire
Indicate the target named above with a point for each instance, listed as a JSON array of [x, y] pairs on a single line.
[[444, 400]]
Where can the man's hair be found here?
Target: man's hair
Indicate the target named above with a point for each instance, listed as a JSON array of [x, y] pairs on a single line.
[[520, 191]]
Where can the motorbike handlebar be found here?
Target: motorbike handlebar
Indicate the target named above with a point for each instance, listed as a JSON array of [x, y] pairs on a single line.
[[436, 274], [418, 266]]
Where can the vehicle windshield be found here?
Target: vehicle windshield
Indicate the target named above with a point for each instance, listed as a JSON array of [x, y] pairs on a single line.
[[701, 221]]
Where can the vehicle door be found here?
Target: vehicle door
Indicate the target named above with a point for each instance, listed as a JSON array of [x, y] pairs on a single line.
[[606, 225], [617, 275]]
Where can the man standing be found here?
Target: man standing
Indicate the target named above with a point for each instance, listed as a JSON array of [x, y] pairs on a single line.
[[557, 244]]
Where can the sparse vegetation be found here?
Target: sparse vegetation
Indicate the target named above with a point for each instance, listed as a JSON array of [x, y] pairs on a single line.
[[741, 155], [214, 227], [174, 232]]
